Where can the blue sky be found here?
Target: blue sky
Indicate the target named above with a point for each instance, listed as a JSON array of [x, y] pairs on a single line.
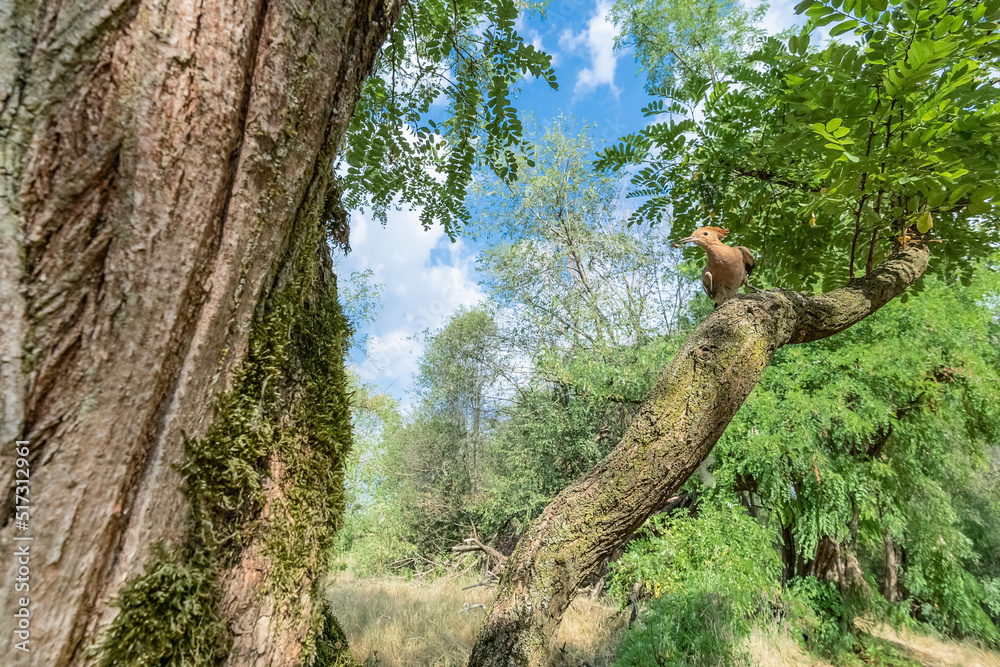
[[426, 276]]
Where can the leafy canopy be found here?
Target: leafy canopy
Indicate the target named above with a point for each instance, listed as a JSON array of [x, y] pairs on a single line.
[[460, 60], [820, 159]]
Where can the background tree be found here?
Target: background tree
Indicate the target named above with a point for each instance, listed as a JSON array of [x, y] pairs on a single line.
[[605, 285], [438, 455], [684, 42], [374, 522], [458, 377], [552, 398], [422, 472], [581, 300]]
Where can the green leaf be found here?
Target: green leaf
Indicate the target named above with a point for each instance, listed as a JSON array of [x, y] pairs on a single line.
[[841, 28], [925, 222]]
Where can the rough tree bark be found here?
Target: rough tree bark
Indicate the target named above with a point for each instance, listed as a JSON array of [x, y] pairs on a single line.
[[836, 562], [673, 432], [890, 582], [163, 164]]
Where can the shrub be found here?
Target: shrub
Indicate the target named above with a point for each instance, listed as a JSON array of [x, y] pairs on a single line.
[[722, 550], [707, 577], [817, 611], [687, 629]]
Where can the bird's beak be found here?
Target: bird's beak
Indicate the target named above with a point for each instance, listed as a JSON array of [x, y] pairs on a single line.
[[689, 239]]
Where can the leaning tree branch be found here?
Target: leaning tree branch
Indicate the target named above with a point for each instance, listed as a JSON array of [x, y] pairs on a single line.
[[674, 431]]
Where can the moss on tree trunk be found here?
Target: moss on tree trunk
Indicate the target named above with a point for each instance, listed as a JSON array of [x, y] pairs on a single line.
[[172, 345], [265, 491]]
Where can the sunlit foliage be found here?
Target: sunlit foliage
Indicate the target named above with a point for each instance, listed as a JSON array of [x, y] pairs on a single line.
[[439, 106], [821, 158]]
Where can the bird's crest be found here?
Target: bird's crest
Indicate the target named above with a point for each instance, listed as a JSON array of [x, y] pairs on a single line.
[[719, 231]]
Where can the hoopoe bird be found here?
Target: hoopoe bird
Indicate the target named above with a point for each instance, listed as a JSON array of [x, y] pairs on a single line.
[[728, 268]]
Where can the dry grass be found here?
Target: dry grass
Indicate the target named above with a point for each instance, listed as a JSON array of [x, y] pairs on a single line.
[[772, 648], [589, 634], [933, 652], [392, 622]]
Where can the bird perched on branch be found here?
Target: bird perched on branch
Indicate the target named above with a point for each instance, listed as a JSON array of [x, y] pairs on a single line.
[[728, 268]]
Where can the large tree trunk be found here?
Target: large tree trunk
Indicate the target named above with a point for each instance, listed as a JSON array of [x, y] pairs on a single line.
[[165, 166], [890, 582], [788, 556], [674, 431], [836, 562]]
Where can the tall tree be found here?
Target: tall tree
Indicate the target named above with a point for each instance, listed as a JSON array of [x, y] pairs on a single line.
[[673, 432], [565, 261], [172, 344], [420, 475], [459, 369], [877, 138], [165, 173], [687, 42], [437, 457]]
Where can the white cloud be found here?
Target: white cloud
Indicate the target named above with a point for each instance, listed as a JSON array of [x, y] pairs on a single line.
[[781, 16], [533, 37], [427, 278], [598, 40], [571, 41], [390, 359]]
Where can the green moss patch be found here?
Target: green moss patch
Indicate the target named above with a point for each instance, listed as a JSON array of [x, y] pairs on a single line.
[[331, 644], [168, 616], [284, 423]]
